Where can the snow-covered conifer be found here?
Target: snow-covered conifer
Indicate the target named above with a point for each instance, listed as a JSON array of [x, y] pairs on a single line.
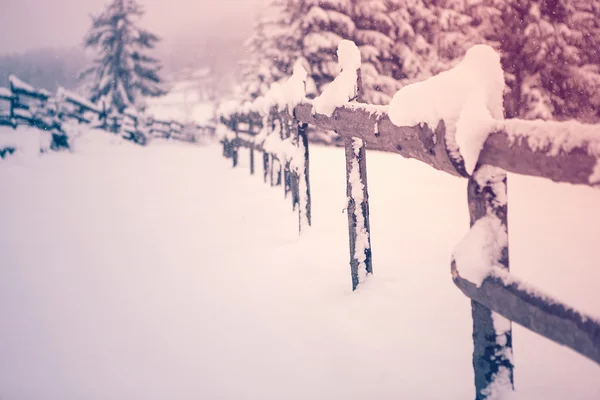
[[549, 54], [123, 73]]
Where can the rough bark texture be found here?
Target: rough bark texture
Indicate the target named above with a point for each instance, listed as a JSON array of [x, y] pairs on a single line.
[[489, 354], [574, 166], [305, 214], [234, 153], [286, 180], [251, 159], [353, 207], [538, 313], [378, 132], [265, 165]]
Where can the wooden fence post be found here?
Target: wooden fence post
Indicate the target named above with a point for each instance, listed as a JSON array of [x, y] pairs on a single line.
[[234, 146], [303, 186], [358, 210], [286, 179], [279, 173], [265, 165], [358, 203], [272, 168], [252, 159], [492, 333], [250, 128], [13, 105]]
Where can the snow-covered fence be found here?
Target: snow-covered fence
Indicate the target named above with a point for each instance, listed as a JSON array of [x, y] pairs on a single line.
[[283, 141], [454, 123], [21, 104]]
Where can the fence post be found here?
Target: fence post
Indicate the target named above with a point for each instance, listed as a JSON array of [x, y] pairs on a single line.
[[13, 104], [492, 333], [279, 173], [250, 127], [252, 159], [358, 210], [358, 203], [303, 186], [234, 146], [265, 165], [271, 168], [286, 179]]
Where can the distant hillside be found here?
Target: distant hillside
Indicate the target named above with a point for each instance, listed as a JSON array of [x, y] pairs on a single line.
[[45, 68]]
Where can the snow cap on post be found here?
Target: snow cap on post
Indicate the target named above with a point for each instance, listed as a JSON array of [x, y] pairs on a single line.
[[343, 88], [468, 98], [348, 56], [295, 88]]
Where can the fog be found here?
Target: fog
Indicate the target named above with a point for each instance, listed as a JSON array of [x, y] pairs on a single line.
[[192, 31]]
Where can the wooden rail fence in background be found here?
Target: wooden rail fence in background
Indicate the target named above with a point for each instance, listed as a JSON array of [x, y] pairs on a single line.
[[521, 147], [21, 104]]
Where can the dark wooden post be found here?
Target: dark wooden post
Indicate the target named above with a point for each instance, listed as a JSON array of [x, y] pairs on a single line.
[[13, 105], [286, 179], [358, 210], [358, 203], [234, 146], [303, 186], [115, 126], [251, 158], [265, 165], [492, 333], [279, 173], [104, 117], [250, 128], [271, 168]]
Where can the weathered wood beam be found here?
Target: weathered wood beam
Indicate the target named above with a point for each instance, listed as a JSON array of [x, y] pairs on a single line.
[[378, 132], [502, 150], [575, 166], [539, 313]]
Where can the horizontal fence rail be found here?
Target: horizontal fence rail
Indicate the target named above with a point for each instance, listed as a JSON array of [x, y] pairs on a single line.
[[561, 151], [21, 104]]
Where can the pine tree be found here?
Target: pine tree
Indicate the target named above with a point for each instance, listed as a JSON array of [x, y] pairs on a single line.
[[122, 73], [549, 54], [400, 41]]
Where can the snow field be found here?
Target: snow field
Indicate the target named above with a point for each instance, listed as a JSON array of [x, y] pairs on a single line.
[[160, 272]]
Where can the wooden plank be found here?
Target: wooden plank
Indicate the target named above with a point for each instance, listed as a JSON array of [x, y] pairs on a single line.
[[428, 145], [539, 313], [418, 142]]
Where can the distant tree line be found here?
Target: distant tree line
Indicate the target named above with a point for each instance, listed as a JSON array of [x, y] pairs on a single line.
[[549, 48]]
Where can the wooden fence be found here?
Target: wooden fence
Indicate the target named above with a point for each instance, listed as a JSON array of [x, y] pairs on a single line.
[[21, 104], [521, 147]]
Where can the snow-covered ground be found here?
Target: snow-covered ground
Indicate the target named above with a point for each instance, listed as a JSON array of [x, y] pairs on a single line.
[[162, 273], [183, 103]]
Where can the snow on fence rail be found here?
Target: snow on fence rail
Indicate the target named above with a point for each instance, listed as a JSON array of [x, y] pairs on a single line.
[[454, 123], [21, 104]]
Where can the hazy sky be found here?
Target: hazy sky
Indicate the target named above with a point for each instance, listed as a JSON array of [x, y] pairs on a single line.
[[27, 24]]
